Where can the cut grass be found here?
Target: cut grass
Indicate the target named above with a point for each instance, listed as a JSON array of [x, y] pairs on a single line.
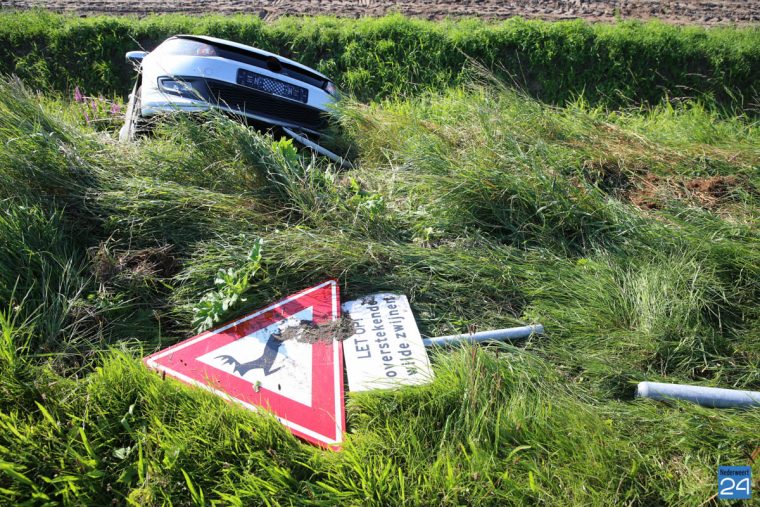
[[486, 208]]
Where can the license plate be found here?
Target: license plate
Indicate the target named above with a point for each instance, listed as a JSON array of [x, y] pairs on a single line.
[[272, 86]]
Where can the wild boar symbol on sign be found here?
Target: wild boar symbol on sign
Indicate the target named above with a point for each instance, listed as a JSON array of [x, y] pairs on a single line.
[[265, 361]]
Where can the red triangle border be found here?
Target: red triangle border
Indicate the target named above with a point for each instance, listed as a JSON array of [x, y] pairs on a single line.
[[311, 423]]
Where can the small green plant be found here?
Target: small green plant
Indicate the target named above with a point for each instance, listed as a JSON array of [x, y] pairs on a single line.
[[231, 284], [370, 205], [284, 148]]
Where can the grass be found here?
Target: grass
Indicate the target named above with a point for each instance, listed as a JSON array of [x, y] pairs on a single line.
[[374, 58], [484, 206]]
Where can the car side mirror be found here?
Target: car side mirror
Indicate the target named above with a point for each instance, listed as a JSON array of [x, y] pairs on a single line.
[[136, 57]]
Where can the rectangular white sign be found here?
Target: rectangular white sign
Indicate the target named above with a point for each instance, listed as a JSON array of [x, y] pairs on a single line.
[[386, 349]]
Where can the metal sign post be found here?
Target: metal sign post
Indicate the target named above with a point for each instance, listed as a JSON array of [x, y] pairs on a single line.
[[706, 396], [386, 349], [513, 333]]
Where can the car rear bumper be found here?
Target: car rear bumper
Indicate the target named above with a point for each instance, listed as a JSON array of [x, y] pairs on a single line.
[[216, 81], [161, 103], [247, 102]]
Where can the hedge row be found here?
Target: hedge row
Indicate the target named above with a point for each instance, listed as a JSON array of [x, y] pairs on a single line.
[[380, 57]]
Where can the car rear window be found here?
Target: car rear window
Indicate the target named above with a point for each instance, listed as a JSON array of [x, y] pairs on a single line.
[[185, 47]]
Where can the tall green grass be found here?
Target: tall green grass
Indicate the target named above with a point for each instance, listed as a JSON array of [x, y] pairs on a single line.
[[396, 56], [484, 206]]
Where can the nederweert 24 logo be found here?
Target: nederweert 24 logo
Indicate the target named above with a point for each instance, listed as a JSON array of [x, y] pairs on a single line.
[[735, 483]]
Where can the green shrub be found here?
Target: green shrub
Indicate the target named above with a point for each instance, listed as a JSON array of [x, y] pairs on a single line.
[[395, 56]]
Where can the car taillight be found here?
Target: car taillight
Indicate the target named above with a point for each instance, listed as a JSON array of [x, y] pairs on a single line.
[[330, 88], [179, 87], [205, 50]]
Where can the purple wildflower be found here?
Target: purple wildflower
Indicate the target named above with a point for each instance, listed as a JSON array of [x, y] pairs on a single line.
[[86, 118], [115, 108], [78, 97]]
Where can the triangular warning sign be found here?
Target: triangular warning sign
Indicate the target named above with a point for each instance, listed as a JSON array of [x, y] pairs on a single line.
[[263, 360]]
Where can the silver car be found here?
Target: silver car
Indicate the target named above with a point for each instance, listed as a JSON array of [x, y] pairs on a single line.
[[193, 73]]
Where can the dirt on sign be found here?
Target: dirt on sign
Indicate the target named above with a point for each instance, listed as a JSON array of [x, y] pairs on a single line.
[[309, 332]]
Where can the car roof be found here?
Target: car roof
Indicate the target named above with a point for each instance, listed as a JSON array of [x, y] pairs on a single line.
[[254, 50]]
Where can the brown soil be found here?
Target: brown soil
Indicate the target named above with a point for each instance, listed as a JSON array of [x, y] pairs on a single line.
[[709, 193], [647, 196], [715, 187], [703, 12], [308, 332], [649, 191], [135, 265]]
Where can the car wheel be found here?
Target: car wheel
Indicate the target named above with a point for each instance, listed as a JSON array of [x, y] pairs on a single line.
[[134, 123]]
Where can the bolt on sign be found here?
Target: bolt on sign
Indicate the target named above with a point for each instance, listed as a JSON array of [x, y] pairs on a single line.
[[263, 361], [385, 349]]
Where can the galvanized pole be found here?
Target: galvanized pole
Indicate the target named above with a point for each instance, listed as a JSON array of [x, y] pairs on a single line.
[[707, 396], [513, 333], [344, 164]]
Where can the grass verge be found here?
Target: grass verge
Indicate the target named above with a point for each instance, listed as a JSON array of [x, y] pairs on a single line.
[[484, 206]]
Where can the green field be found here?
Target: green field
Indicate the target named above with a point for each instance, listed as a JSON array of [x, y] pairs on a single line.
[[626, 223]]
